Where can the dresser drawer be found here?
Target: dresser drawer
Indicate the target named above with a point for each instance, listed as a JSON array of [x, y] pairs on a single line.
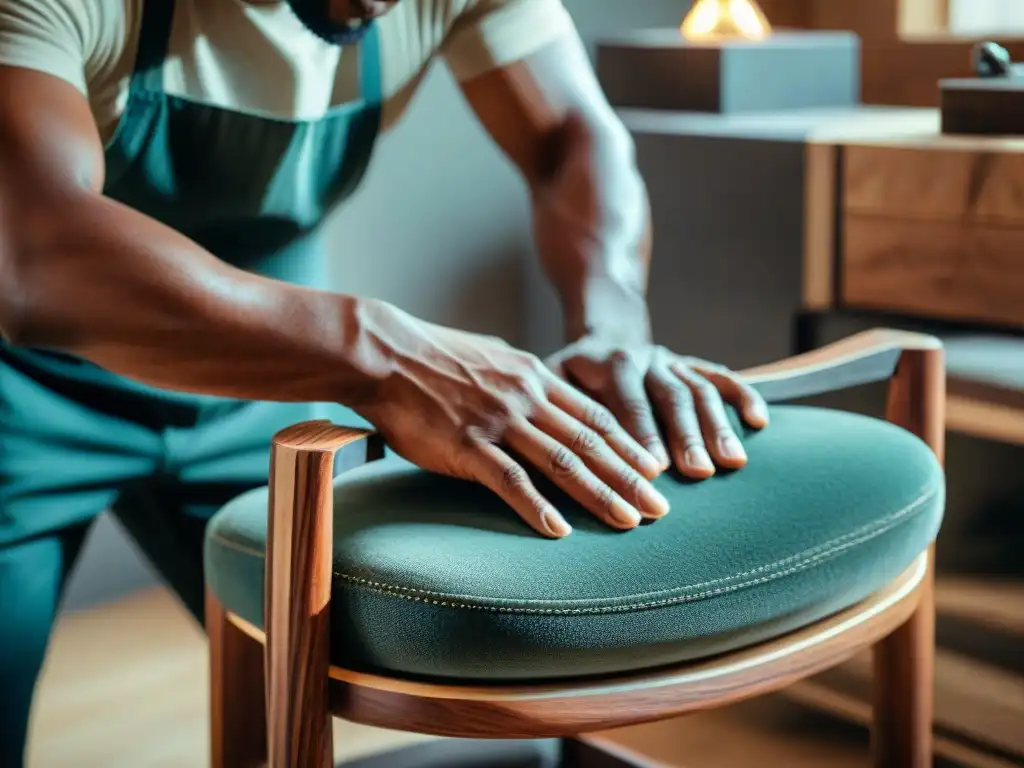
[[933, 231]]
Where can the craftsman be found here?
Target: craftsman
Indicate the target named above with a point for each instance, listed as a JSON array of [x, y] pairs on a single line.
[[164, 171]]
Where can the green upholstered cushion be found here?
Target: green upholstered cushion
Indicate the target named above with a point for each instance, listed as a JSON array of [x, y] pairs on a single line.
[[436, 578]]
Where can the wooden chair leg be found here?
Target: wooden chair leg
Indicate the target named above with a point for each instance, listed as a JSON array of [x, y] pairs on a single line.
[[904, 662], [904, 691], [238, 724]]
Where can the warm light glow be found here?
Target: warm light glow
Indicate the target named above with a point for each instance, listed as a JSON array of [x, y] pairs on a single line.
[[726, 19]]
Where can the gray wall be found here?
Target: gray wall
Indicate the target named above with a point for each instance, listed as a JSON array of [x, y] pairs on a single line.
[[449, 243]]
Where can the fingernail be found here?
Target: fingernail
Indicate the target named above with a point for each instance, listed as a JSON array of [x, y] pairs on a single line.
[[758, 413], [731, 448], [654, 502], [625, 514], [698, 458], [660, 455], [651, 467], [556, 524]]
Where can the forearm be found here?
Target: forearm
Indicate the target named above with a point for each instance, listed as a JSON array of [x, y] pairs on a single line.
[[594, 237], [96, 279]]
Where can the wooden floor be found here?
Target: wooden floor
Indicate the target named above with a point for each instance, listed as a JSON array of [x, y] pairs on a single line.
[[125, 687]]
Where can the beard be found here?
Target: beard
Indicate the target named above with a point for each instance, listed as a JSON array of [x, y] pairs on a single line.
[[316, 16]]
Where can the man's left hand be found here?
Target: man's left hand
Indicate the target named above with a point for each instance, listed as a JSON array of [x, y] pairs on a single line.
[[644, 385]]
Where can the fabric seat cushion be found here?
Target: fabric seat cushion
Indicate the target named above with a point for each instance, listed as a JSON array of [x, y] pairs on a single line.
[[435, 578]]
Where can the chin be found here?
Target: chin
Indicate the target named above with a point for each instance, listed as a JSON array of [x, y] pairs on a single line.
[[351, 10]]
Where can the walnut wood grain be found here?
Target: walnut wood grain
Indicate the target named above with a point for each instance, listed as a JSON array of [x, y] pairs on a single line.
[[904, 662], [298, 587], [943, 180], [934, 269], [564, 708], [821, 214], [238, 724]]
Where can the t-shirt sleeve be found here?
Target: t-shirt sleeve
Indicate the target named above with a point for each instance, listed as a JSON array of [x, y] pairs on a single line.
[[492, 33], [51, 36]]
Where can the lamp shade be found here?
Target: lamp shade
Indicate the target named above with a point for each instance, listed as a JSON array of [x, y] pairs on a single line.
[[725, 20]]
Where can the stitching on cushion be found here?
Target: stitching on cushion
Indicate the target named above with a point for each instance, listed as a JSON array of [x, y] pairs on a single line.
[[611, 605], [774, 570]]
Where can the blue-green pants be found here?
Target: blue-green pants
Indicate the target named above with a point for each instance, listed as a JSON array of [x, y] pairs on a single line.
[[69, 450]]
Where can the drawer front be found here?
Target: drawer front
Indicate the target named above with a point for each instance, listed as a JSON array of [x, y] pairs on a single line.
[[934, 232]]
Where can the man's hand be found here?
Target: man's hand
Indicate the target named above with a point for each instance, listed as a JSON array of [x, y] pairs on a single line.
[[474, 407], [643, 385]]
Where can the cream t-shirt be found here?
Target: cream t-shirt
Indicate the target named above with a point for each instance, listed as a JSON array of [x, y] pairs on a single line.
[[258, 57]]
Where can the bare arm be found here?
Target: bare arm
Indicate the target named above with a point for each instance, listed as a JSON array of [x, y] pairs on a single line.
[[593, 233], [592, 228], [83, 274]]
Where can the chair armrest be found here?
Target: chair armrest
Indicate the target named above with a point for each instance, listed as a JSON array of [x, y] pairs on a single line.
[[297, 589], [863, 358]]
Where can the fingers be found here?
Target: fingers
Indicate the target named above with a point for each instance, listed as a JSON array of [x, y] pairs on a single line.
[[719, 438], [571, 474], [676, 405], [605, 463], [495, 469], [736, 391], [629, 403], [602, 421]]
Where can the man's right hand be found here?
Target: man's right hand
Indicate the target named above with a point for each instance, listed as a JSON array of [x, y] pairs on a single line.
[[474, 407]]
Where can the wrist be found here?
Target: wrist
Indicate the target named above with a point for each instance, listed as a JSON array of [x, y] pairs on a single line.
[[366, 353], [609, 309]]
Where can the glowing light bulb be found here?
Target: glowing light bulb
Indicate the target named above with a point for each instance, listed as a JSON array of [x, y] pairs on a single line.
[[725, 20]]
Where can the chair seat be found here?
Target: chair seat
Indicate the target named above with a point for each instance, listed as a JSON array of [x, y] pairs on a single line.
[[434, 578], [987, 368]]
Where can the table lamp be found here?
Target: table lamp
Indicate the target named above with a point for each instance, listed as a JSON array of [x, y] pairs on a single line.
[[725, 58], [725, 19]]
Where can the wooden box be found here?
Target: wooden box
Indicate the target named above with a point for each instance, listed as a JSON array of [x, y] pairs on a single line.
[[977, 106], [659, 69]]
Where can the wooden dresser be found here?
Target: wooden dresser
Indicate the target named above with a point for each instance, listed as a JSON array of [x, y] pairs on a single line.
[[905, 222]]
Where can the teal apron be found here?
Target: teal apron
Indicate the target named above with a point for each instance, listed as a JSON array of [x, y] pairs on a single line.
[[76, 440]]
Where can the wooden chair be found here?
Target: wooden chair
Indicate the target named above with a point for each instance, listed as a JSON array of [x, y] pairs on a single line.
[[273, 693]]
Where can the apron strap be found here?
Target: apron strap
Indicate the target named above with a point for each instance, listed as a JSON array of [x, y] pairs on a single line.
[[154, 35], [370, 80]]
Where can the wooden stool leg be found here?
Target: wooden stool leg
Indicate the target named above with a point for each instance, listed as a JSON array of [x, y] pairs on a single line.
[[904, 661], [238, 723]]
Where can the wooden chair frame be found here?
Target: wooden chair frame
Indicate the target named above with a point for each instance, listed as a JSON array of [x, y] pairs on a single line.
[[273, 695]]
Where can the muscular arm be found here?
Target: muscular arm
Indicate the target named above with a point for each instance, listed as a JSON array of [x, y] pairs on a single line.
[[83, 274], [80, 273], [592, 226], [593, 232]]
